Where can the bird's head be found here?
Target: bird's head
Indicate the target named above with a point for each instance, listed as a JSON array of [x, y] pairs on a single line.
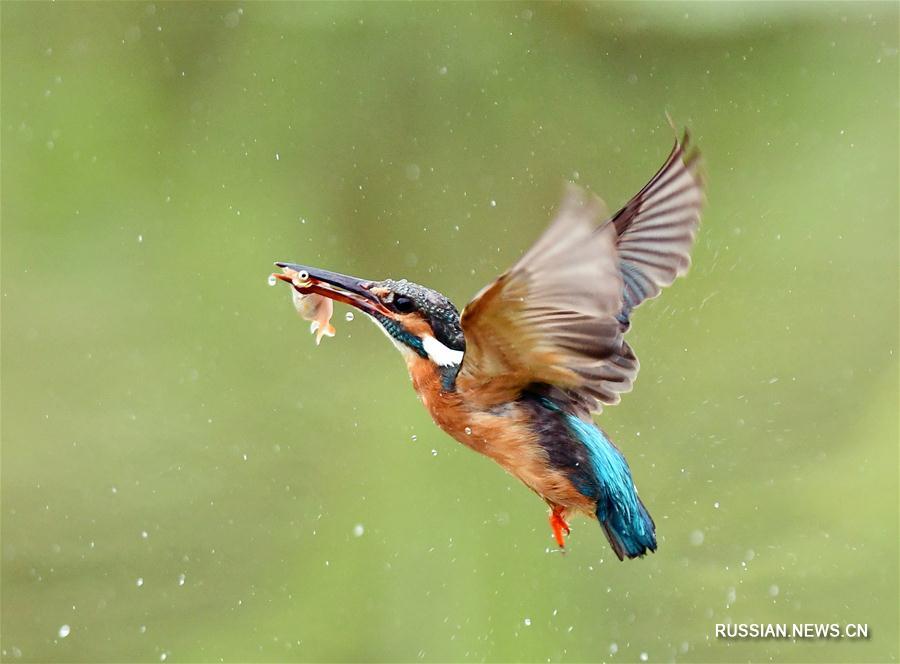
[[422, 323]]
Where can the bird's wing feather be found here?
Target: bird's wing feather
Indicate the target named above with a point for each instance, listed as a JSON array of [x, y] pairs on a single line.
[[550, 319], [555, 321], [656, 228]]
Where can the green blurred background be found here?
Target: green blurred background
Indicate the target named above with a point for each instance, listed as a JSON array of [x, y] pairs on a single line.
[[186, 477]]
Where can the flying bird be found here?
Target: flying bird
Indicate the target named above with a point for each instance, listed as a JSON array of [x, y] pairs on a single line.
[[519, 374]]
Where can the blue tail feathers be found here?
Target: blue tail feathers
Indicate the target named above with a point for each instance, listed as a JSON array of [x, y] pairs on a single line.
[[630, 536], [626, 522]]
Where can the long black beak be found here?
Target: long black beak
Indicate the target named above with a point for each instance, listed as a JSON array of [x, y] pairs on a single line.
[[333, 285]]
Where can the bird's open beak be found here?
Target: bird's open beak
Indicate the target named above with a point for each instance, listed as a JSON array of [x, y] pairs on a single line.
[[334, 286]]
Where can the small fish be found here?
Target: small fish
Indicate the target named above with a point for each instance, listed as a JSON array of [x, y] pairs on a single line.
[[311, 307], [317, 309]]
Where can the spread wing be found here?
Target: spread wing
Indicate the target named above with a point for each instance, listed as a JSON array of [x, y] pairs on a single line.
[[549, 321], [554, 322], [656, 228]]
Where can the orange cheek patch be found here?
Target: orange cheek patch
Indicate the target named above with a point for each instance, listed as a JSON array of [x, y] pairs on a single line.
[[415, 324]]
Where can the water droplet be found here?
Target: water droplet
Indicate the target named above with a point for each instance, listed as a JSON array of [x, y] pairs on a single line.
[[644, 657], [142, 629], [773, 590], [716, 504], [140, 239], [433, 452], [358, 530], [468, 431], [696, 537], [139, 582], [277, 157], [272, 280], [414, 438], [181, 578], [144, 534], [443, 71], [493, 203], [613, 648], [164, 657], [527, 622], [348, 316], [64, 631]]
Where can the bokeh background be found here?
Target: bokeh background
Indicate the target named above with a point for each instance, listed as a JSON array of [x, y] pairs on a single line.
[[186, 477]]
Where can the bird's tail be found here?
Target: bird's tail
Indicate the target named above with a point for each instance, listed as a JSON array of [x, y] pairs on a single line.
[[630, 535], [626, 522]]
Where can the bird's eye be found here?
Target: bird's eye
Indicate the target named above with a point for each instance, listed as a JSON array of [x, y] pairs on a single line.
[[303, 275], [404, 304]]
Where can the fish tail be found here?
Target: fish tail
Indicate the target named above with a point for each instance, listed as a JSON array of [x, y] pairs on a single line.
[[327, 331]]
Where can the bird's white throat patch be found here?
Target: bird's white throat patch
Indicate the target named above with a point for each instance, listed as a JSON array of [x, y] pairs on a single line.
[[437, 352], [440, 354]]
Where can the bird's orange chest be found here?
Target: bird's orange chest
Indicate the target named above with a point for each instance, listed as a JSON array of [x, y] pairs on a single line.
[[499, 435], [501, 432], [447, 409]]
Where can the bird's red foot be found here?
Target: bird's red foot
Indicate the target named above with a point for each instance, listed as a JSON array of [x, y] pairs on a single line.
[[559, 525]]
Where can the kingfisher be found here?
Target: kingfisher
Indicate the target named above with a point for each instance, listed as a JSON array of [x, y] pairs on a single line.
[[519, 374]]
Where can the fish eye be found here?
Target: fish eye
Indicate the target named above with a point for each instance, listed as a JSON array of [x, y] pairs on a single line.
[[403, 304]]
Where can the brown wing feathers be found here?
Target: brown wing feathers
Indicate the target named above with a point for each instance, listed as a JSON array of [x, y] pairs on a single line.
[[554, 321], [657, 226], [549, 318]]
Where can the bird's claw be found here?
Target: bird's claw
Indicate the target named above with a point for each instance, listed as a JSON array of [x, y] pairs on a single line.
[[559, 526]]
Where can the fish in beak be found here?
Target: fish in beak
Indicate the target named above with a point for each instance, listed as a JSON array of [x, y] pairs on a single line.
[[314, 290]]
